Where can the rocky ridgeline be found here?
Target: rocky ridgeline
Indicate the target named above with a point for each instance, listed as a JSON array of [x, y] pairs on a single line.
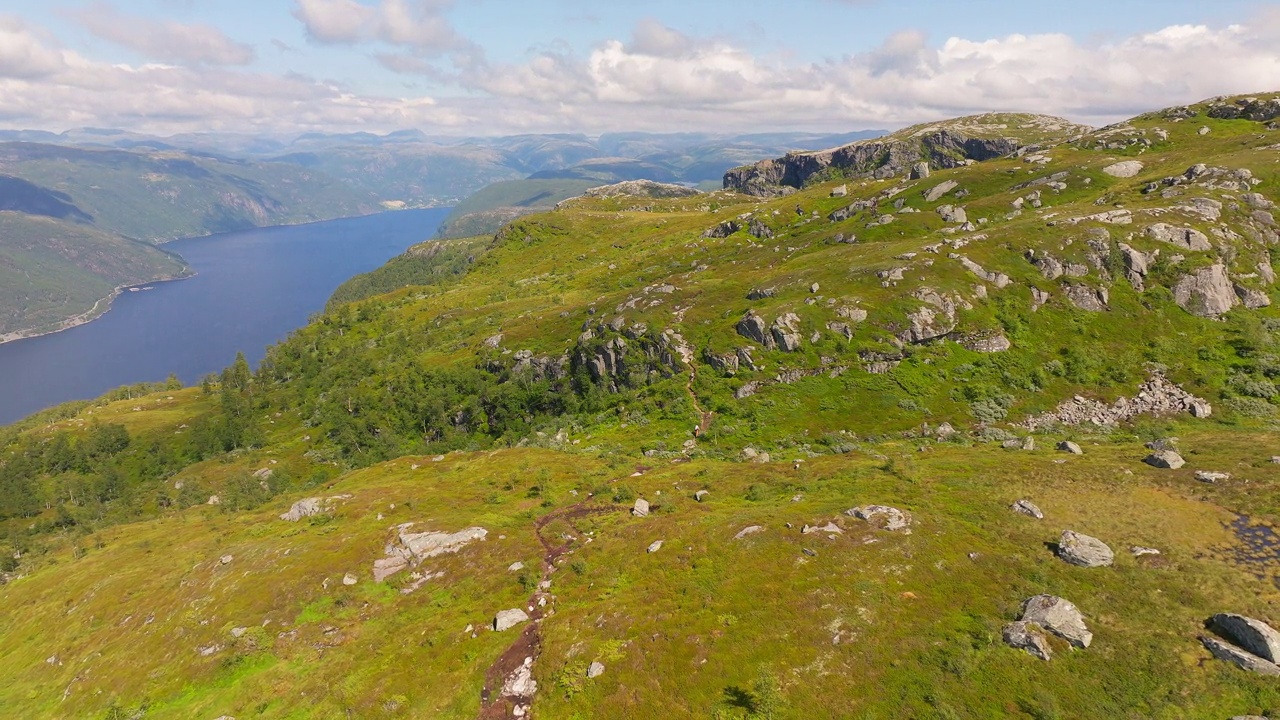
[[1157, 396], [914, 150]]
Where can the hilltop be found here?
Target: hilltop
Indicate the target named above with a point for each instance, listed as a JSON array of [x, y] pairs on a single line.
[[808, 451]]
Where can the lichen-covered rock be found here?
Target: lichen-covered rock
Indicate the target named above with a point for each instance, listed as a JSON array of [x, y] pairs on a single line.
[[1206, 293], [508, 619], [1165, 459], [1029, 637], [1084, 550], [1058, 616], [1026, 507], [888, 518]]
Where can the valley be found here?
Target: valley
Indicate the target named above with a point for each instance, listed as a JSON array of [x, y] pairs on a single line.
[[977, 419]]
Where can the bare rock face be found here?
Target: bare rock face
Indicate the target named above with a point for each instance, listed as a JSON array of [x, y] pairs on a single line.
[[1058, 616], [752, 327], [1087, 298], [1029, 637], [1251, 298], [1253, 635], [786, 332], [1084, 551], [1206, 292], [1185, 238]]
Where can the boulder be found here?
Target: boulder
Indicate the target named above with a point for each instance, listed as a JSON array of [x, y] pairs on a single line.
[[1058, 616], [1087, 298], [303, 508], [1139, 551], [1026, 507], [785, 332], [752, 327], [1125, 169], [840, 191], [1206, 293], [888, 518], [596, 669], [749, 530], [1253, 635], [1029, 637], [1185, 238], [700, 495], [761, 293], [1209, 476], [1083, 550], [508, 619], [723, 230], [1165, 459], [952, 214], [516, 566], [1067, 446], [654, 546], [759, 230], [1251, 298], [641, 508], [1240, 658], [939, 190], [920, 171]]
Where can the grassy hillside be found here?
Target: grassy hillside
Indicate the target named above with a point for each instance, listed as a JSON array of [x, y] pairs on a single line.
[[530, 392], [52, 269], [495, 205]]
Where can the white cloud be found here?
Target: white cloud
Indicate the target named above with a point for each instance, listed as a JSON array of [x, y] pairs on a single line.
[[417, 24], [22, 52], [170, 42]]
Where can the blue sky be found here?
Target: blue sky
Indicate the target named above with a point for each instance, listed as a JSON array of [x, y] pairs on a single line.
[[497, 66]]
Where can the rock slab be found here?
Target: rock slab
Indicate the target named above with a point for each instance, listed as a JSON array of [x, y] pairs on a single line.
[[1083, 550]]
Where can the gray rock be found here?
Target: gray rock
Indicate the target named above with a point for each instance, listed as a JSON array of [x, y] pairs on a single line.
[[1125, 169], [700, 495], [1026, 507], [1058, 616], [508, 619], [1240, 658], [939, 190], [1027, 636], [1083, 550], [596, 669], [1139, 551], [1087, 298], [1185, 238], [516, 566], [1165, 459], [752, 327], [920, 171], [1070, 447], [493, 341], [723, 230], [303, 508], [654, 546], [1209, 476], [1206, 293], [785, 332], [759, 230], [1251, 298], [641, 508], [987, 343], [952, 214], [889, 518], [761, 293], [1253, 635], [840, 191], [749, 530]]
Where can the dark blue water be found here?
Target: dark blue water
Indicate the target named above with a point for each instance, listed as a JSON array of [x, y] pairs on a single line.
[[252, 288]]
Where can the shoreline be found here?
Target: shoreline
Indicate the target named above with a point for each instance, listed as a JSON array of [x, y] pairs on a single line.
[[101, 307]]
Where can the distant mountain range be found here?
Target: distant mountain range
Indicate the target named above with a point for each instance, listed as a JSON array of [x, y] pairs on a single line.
[[72, 200]]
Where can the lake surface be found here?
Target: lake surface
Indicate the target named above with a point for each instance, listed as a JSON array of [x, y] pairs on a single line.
[[252, 288]]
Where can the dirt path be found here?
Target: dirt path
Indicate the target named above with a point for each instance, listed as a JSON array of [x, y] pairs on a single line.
[[508, 688]]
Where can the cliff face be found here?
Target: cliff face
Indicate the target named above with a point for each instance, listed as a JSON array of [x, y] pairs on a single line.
[[942, 145]]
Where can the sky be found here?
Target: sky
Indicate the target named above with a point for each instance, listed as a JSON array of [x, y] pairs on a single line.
[[496, 67]]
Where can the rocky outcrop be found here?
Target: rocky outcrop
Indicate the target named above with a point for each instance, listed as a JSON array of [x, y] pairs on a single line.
[[408, 549], [723, 230], [1251, 298], [1027, 636], [881, 157], [753, 328], [1125, 169], [1249, 108], [887, 518], [1165, 459], [1084, 550], [1183, 237], [1087, 298], [1239, 657], [1206, 293], [786, 332], [1253, 635], [1157, 396]]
